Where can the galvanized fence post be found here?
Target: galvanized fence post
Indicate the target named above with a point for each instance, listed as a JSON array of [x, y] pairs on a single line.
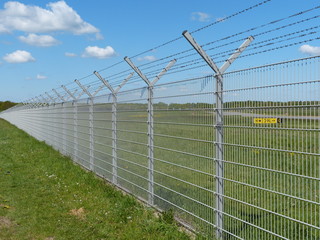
[[114, 121], [91, 120], [75, 130], [91, 132], [219, 158], [150, 122], [64, 126], [114, 140], [61, 148], [52, 106], [150, 144]]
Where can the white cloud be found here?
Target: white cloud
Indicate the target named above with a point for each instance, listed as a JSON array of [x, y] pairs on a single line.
[[97, 52], [41, 77], [69, 54], [19, 56], [200, 16], [311, 50], [58, 16], [147, 58], [39, 40]]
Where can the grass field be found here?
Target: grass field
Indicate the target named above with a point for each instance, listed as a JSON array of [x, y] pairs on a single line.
[[43, 195]]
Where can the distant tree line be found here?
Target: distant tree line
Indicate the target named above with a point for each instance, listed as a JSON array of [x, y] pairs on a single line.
[[209, 106], [5, 105]]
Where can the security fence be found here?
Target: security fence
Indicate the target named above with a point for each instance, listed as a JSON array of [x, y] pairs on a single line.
[[238, 160]]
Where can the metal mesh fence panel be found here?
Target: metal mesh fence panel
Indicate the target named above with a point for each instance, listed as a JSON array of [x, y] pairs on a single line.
[[162, 147], [271, 145]]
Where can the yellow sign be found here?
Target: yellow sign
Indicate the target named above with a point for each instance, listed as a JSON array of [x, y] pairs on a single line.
[[267, 120]]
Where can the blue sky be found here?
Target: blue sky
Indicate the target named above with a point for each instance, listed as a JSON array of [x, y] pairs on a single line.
[[48, 43]]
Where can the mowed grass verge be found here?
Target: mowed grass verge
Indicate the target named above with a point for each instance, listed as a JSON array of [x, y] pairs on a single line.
[[43, 195]]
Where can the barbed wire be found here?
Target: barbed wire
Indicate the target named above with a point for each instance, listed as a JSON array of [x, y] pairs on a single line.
[[186, 67], [192, 64], [224, 38], [260, 44], [248, 55], [230, 16], [202, 28], [178, 38], [245, 31]]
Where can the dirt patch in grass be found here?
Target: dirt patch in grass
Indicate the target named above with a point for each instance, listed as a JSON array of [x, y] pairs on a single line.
[[5, 222], [79, 213]]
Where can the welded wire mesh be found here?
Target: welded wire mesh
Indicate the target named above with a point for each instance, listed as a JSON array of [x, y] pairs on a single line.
[[271, 148], [272, 169]]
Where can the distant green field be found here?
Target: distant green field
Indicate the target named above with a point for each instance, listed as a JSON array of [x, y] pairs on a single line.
[[5, 105]]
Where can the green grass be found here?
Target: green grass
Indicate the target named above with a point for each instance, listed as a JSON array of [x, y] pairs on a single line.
[[43, 195]]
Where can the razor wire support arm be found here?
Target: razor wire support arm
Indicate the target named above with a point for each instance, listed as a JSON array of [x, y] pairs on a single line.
[[67, 91], [91, 124], [27, 104], [47, 103], [49, 96], [114, 122], [98, 90], [31, 103], [80, 94], [34, 102], [39, 102], [219, 158], [84, 89], [150, 122], [59, 96]]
